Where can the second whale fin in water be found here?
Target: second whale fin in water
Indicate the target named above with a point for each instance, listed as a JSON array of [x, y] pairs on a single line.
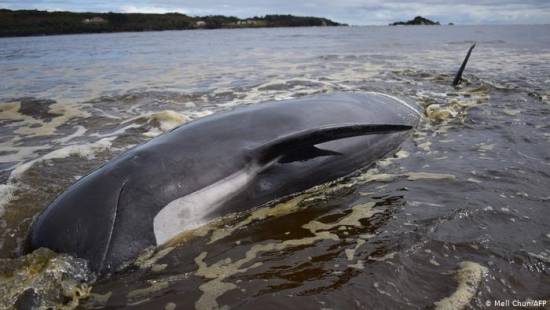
[[301, 145], [458, 76]]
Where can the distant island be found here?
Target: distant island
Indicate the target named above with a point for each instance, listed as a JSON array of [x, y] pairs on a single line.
[[419, 20], [34, 22]]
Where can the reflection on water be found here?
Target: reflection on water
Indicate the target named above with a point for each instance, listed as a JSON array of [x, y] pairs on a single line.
[[455, 218]]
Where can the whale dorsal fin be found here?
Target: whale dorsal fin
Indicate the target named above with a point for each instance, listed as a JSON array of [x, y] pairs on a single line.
[[458, 76], [301, 145]]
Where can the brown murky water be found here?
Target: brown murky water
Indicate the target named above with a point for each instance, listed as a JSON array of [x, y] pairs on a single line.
[[457, 218]]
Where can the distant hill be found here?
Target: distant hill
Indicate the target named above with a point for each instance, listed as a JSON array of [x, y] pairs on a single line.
[[34, 22], [419, 20]]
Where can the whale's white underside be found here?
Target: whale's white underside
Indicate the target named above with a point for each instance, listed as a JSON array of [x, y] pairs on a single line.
[[191, 211]]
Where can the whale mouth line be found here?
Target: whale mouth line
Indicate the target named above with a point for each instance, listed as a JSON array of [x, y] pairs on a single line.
[[398, 100], [114, 220]]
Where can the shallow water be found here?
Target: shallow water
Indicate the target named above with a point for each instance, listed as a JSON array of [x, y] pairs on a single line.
[[458, 217]]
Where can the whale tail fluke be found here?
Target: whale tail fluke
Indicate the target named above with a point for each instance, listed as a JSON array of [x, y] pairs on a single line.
[[458, 76], [300, 146]]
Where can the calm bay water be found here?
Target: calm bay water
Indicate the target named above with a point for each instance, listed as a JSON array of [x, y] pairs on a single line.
[[458, 217]]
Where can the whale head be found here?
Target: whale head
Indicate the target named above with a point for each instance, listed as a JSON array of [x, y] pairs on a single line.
[[80, 221]]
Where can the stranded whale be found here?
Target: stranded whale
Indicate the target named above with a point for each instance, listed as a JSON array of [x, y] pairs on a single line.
[[216, 165]]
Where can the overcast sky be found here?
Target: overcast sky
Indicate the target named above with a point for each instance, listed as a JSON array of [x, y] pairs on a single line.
[[355, 12]]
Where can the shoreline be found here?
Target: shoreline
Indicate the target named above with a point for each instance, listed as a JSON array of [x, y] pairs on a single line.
[[171, 30], [242, 28], [25, 23]]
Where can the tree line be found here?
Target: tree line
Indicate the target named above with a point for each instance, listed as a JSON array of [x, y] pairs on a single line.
[[34, 22]]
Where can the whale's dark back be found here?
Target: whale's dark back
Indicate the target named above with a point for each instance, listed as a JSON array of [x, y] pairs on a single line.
[[107, 216]]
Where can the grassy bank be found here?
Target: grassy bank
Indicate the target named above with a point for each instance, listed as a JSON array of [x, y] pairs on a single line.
[[33, 22]]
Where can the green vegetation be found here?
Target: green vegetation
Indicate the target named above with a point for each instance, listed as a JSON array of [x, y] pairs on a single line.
[[419, 20], [33, 22]]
